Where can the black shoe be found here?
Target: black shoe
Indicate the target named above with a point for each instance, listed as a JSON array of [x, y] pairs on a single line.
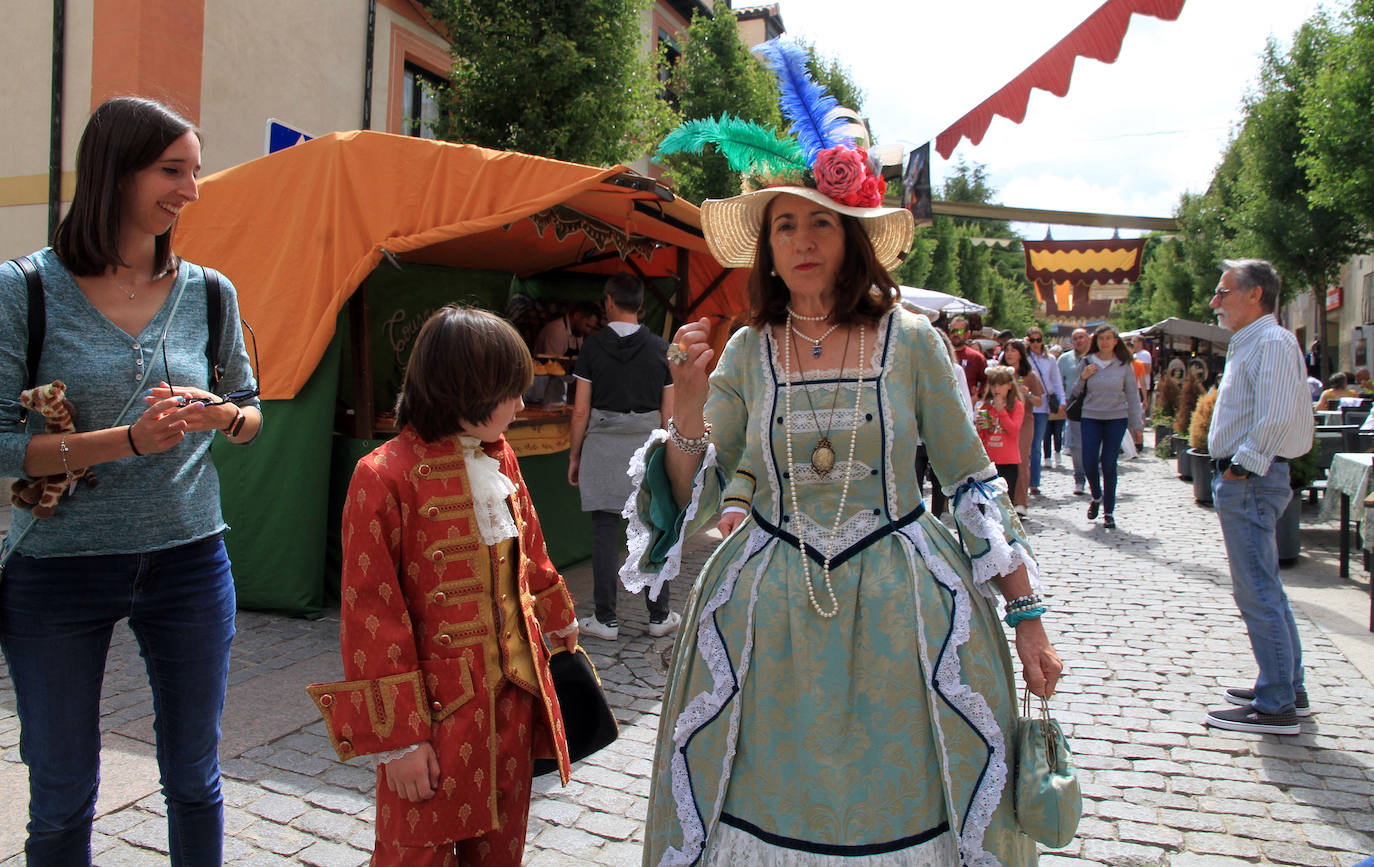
[[1093, 508], [1247, 719], [1243, 697], [1109, 522]]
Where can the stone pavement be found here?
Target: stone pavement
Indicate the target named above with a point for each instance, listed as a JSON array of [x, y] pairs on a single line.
[[1142, 616]]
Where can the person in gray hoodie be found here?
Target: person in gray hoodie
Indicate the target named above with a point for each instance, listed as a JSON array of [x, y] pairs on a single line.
[[1111, 405]]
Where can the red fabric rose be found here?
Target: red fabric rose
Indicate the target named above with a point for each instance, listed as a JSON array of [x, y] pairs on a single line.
[[840, 172], [871, 192]]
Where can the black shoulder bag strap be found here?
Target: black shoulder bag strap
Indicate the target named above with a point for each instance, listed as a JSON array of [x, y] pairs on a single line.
[[214, 315], [38, 316]]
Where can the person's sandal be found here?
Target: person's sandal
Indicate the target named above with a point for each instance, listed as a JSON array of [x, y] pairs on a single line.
[[1093, 508], [1109, 522]]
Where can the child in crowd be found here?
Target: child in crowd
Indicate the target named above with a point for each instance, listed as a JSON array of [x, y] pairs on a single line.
[[448, 594], [999, 420]]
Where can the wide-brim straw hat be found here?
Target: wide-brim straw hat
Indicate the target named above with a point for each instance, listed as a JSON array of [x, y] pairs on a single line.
[[732, 226]]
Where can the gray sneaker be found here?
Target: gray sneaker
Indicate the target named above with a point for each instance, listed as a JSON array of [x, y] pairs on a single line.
[[1243, 697], [666, 626], [1247, 719]]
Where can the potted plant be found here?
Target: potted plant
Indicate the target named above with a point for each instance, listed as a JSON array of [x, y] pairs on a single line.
[[1198, 428], [1187, 399], [1302, 472], [1166, 408], [1164, 428]]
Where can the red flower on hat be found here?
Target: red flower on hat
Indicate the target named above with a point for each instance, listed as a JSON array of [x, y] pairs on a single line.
[[843, 174]]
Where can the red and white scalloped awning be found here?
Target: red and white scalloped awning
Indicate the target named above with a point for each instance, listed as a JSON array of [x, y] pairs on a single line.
[[1098, 37]]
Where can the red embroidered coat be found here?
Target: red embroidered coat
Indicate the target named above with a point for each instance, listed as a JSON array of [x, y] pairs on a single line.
[[431, 628]]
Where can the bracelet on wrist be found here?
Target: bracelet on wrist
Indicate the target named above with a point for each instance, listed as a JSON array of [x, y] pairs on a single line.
[[1016, 618], [62, 452], [232, 429], [696, 446], [129, 432]]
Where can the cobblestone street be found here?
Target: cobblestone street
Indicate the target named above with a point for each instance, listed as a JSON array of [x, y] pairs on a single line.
[[1141, 615]]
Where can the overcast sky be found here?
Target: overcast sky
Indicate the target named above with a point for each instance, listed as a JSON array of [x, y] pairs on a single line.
[[1129, 137]]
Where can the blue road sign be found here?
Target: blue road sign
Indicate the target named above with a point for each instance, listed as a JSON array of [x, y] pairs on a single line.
[[280, 136]]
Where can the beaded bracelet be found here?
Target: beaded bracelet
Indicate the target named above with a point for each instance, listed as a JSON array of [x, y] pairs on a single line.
[[689, 446], [1030, 600], [1017, 617]]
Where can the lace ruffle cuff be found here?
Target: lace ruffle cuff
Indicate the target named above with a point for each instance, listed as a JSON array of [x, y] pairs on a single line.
[[657, 527], [990, 531]]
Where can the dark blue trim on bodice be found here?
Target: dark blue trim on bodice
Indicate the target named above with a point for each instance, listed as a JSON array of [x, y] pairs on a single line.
[[853, 851], [886, 530]]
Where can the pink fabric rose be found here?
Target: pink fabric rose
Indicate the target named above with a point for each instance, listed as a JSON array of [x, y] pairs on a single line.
[[871, 192], [840, 172]]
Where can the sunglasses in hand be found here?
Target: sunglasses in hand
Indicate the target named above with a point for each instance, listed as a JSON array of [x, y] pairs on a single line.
[[238, 396]]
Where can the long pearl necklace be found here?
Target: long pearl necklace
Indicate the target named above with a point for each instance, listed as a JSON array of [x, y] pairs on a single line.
[[792, 475], [814, 341]]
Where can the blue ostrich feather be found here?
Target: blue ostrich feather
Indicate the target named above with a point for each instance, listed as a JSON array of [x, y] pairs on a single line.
[[804, 102]]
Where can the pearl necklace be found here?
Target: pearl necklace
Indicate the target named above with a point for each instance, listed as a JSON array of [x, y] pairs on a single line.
[[792, 475], [814, 341], [795, 315]]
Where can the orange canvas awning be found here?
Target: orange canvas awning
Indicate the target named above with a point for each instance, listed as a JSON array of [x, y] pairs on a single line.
[[297, 231]]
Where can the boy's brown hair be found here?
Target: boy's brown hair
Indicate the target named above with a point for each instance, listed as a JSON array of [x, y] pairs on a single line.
[[465, 362]]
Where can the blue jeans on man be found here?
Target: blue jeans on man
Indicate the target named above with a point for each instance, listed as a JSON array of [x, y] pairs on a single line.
[[57, 616], [1249, 509], [1074, 440], [1042, 420]]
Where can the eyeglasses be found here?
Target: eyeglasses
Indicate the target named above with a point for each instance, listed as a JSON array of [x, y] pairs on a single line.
[[238, 396], [1035, 340]]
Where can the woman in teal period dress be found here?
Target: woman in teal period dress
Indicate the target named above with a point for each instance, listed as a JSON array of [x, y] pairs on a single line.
[[853, 706]]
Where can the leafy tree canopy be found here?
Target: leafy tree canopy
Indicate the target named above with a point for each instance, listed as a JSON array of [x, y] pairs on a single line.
[[1338, 115], [562, 80]]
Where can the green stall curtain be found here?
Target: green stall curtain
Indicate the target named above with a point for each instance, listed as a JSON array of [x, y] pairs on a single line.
[[274, 493]]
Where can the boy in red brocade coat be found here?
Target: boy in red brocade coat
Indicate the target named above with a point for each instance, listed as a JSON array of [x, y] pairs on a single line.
[[447, 594]]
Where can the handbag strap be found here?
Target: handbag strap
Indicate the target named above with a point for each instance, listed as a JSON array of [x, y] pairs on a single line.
[[1046, 725]]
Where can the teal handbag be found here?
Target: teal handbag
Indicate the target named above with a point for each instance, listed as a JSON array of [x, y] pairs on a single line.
[[1047, 798]]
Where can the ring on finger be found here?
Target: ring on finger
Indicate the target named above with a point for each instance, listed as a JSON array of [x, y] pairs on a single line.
[[677, 353]]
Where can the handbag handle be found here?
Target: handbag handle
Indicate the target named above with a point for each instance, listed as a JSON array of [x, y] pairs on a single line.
[[1046, 725]]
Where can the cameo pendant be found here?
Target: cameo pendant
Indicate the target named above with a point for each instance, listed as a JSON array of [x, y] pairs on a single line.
[[823, 456]]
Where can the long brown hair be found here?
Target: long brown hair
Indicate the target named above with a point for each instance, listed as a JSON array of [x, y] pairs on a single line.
[[863, 288], [1121, 353], [124, 135]]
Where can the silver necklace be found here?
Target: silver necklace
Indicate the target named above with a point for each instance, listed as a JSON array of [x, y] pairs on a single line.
[[823, 452], [844, 491], [814, 341]]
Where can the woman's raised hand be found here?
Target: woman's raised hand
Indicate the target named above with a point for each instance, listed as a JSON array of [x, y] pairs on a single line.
[[692, 348]]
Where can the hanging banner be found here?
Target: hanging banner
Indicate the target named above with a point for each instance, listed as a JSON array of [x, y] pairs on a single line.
[[916, 185]]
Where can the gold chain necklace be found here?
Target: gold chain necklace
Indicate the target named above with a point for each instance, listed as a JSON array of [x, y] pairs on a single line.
[[823, 452], [792, 475]]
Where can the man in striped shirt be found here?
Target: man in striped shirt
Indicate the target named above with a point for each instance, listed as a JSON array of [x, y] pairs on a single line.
[[1262, 418]]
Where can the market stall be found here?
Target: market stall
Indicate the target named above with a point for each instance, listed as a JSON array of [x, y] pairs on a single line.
[[341, 246]]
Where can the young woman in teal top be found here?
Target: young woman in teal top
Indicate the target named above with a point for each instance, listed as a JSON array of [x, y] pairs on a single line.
[[127, 333]]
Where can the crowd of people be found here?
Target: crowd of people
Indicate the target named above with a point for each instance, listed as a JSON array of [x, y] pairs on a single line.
[[862, 710]]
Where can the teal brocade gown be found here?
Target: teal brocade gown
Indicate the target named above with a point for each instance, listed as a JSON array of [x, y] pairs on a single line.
[[878, 736]]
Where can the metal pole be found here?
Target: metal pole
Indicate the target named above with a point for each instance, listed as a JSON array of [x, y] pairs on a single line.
[[367, 63], [59, 16]]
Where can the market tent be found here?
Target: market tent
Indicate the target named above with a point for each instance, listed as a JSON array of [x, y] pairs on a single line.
[[299, 231], [1174, 327], [938, 302]]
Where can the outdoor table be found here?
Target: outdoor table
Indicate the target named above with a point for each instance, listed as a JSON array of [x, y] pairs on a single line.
[[1349, 478], [1328, 417]]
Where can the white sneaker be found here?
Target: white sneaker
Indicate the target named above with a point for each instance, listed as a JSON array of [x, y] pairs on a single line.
[[1021, 510], [668, 625], [596, 629], [1078, 488]]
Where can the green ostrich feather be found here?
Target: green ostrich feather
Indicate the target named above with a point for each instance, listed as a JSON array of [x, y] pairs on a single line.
[[746, 146]]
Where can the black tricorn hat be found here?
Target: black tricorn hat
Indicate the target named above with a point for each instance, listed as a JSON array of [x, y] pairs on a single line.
[[587, 719]]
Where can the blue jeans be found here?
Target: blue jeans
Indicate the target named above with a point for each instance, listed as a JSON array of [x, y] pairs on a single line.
[[1054, 436], [1249, 508], [56, 619], [1037, 442], [1074, 440], [1101, 444]]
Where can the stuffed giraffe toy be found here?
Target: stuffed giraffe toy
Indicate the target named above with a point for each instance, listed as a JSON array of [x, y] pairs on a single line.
[[42, 494]]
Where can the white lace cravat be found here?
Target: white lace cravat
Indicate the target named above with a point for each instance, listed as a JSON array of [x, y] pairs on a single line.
[[490, 488]]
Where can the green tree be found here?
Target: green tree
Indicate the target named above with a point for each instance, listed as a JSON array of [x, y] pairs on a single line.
[[943, 275], [916, 267], [715, 75], [1275, 218], [558, 79], [1338, 114], [973, 270], [835, 77]]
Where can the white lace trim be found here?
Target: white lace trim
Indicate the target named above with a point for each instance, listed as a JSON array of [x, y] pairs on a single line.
[[732, 847], [973, 706], [490, 488], [704, 706], [836, 425], [981, 515], [640, 535], [855, 470], [379, 759], [851, 531]]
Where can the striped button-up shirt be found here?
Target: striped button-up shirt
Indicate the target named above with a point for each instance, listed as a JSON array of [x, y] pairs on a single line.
[[1263, 409]]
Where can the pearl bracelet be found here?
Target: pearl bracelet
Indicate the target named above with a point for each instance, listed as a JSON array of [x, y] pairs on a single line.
[[689, 446]]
